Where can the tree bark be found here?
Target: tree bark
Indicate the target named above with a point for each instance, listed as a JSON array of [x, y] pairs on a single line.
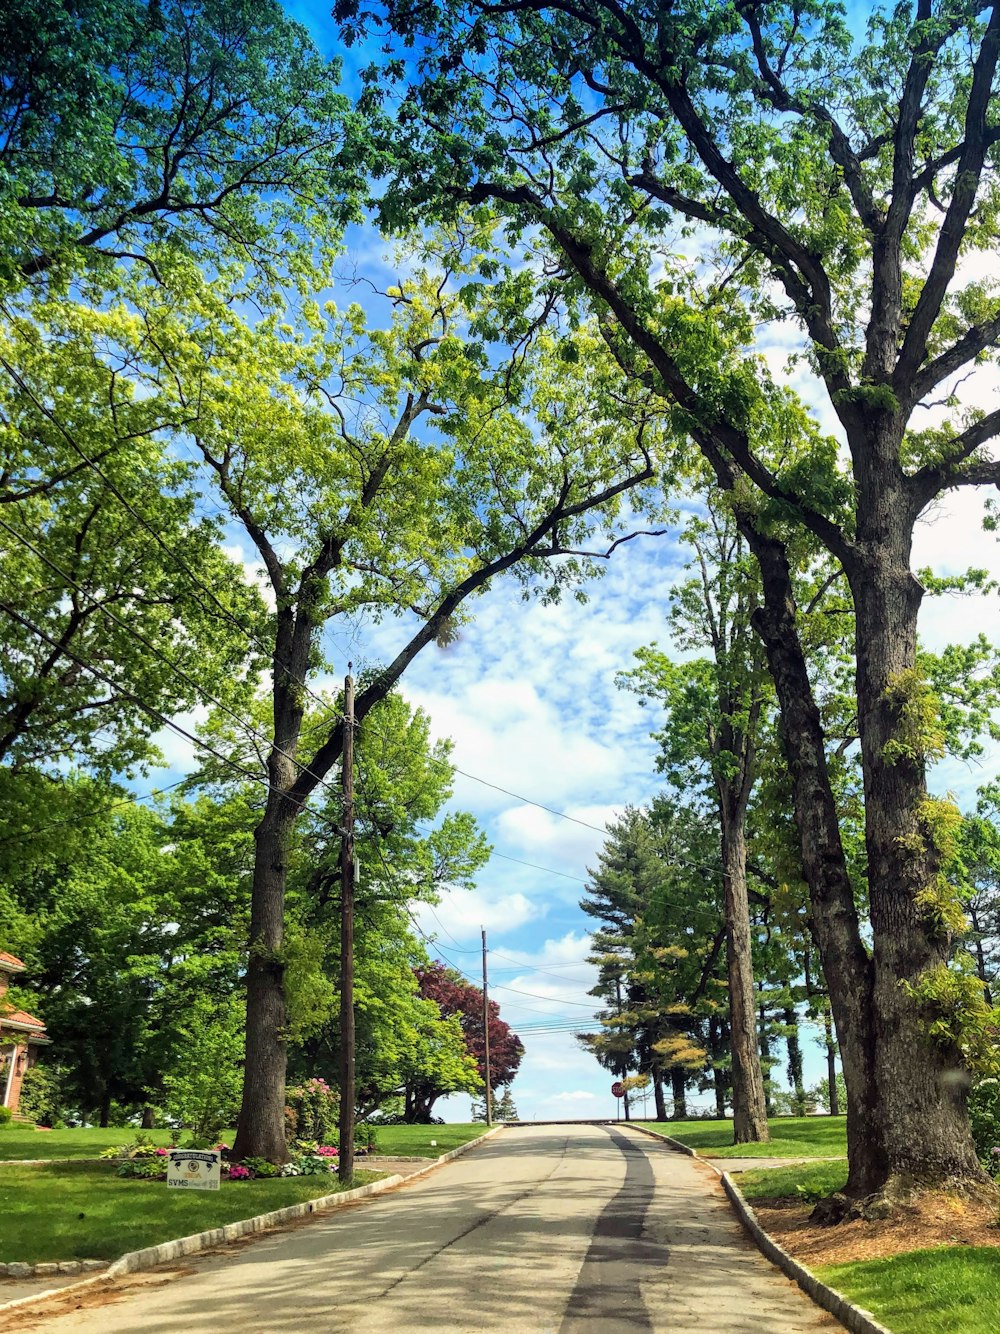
[[678, 1090], [795, 1061], [831, 1065], [765, 1056], [658, 1098], [261, 1127], [847, 968], [749, 1109], [922, 1084]]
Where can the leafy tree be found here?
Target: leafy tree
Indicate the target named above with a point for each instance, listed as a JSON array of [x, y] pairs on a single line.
[[838, 180], [715, 709], [456, 998], [358, 510], [131, 128]]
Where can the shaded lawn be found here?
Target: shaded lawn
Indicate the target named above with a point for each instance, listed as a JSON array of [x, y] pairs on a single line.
[[804, 1182], [791, 1137], [83, 1211], [415, 1141], [948, 1290]]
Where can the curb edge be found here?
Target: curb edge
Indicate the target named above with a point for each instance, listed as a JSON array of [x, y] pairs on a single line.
[[854, 1318], [150, 1256]]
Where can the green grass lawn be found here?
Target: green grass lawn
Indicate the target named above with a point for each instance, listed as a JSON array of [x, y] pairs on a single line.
[[415, 1141], [805, 1182], [20, 1141], [948, 1290], [791, 1137], [83, 1211]]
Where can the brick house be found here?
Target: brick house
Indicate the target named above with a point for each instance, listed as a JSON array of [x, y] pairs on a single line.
[[21, 1037]]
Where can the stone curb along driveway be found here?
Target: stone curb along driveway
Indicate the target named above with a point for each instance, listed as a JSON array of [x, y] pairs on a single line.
[[151, 1256], [854, 1318]]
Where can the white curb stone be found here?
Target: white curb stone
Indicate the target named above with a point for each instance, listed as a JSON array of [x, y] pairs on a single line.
[[854, 1318], [151, 1256]]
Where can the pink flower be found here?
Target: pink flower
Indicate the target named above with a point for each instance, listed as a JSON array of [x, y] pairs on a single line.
[[161, 1153]]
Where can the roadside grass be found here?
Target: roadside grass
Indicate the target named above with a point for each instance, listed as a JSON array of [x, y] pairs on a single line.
[[948, 1290], [20, 1141], [791, 1137], [83, 1211], [17, 1141], [415, 1141], [804, 1182]]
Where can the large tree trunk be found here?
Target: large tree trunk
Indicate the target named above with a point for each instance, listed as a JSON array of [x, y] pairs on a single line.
[[749, 1110], [834, 921], [261, 1127], [922, 1084]]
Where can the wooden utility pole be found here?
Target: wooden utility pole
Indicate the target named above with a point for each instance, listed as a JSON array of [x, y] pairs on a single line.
[[486, 1038], [345, 1165]]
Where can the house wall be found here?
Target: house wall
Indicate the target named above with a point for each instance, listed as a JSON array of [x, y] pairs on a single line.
[[11, 1079]]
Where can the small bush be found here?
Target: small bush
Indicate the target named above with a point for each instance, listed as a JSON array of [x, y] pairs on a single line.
[[315, 1107], [6, 1116], [984, 1114]]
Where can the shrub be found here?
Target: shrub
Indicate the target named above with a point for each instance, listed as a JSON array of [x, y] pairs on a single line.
[[365, 1137], [984, 1114], [41, 1095], [6, 1116], [204, 1093], [316, 1107]]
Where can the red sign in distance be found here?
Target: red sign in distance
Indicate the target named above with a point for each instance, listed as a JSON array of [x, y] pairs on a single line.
[[617, 1089]]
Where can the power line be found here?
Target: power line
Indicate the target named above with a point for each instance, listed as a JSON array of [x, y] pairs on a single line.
[[528, 801], [86, 815], [267, 649], [164, 721]]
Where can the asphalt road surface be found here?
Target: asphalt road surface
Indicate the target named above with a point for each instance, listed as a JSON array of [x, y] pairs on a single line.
[[541, 1230]]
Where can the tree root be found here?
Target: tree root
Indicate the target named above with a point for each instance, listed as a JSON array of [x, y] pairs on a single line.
[[897, 1192]]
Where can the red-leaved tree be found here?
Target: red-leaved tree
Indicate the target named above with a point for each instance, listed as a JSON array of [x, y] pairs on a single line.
[[454, 995]]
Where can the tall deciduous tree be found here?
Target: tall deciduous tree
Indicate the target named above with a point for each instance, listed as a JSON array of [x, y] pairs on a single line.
[[715, 710], [131, 127], [365, 506], [848, 183], [454, 996]]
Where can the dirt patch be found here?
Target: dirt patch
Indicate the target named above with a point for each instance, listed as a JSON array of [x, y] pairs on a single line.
[[937, 1218]]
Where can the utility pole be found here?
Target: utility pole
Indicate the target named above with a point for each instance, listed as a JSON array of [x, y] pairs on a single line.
[[486, 1038], [345, 1163]]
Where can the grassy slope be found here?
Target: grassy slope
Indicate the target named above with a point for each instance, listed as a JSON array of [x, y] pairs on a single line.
[[82, 1211], [415, 1141], [18, 1141], [791, 1137], [950, 1290]]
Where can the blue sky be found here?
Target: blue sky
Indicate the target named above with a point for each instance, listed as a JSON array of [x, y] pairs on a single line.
[[527, 696]]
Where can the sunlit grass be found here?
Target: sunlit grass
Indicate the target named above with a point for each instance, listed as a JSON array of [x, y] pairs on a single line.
[[791, 1137], [83, 1211], [948, 1290]]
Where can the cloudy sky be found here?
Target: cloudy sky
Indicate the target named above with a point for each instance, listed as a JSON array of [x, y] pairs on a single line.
[[527, 696]]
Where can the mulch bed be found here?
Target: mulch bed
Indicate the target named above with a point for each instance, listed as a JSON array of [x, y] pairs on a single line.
[[937, 1218]]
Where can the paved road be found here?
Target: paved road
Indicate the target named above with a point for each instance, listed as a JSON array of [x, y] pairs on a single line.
[[542, 1230]]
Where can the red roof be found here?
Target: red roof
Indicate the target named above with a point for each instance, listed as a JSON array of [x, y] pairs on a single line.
[[21, 1017], [9, 960]]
